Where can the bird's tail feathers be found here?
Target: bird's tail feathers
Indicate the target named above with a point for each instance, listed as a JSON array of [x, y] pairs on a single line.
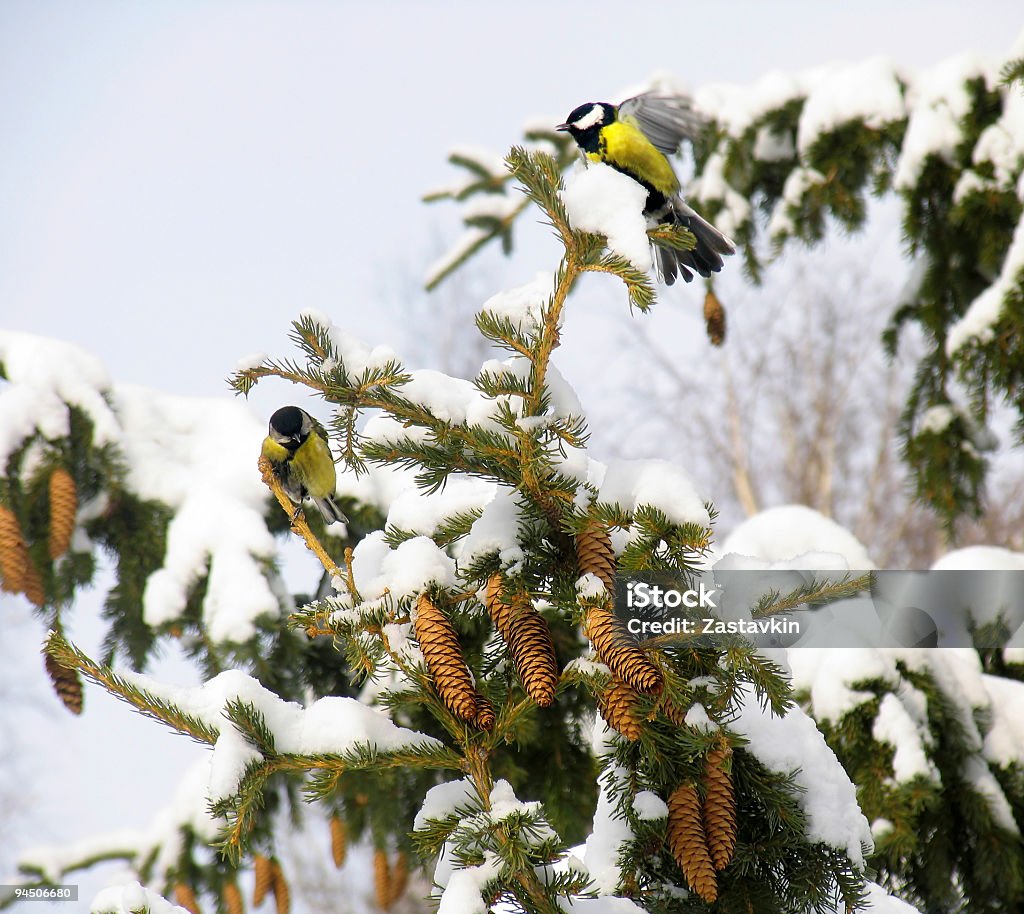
[[329, 510], [705, 258]]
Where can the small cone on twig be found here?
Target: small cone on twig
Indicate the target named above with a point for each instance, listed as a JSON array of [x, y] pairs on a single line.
[[63, 509], [381, 879], [485, 716], [282, 894], [595, 555], [263, 871], [719, 806], [339, 841], [528, 637], [184, 897], [399, 877], [714, 318], [688, 844], [232, 898], [66, 683], [618, 706], [13, 553], [441, 650]]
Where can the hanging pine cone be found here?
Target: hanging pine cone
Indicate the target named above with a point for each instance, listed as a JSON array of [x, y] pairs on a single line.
[[13, 553], [484, 714], [339, 841], [381, 879], [66, 683], [528, 637], [618, 706], [616, 647], [63, 510], [443, 653], [33, 587], [232, 898], [399, 877], [595, 555], [719, 806], [282, 894], [714, 318], [263, 872], [686, 841], [184, 897]]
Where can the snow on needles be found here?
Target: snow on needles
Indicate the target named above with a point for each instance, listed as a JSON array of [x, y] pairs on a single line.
[[655, 483], [131, 898], [602, 200]]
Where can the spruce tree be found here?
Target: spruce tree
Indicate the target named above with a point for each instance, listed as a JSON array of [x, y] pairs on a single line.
[[461, 697]]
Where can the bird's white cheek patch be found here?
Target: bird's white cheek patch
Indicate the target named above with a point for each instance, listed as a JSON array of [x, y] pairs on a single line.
[[592, 117]]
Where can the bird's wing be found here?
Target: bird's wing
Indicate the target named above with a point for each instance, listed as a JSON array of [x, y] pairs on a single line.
[[666, 118]]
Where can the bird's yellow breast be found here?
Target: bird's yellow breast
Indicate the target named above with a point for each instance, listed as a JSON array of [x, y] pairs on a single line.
[[626, 148], [314, 466]]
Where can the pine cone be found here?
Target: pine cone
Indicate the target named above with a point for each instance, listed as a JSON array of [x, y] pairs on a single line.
[[339, 841], [66, 683], [33, 587], [263, 871], [714, 319], [282, 894], [688, 844], [595, 555], [719, 806], [381, 879], [616, 647], [399, 877], [618, 707], [184, 897], [484, 714], [443, 654], [232, 898], [528, 637], [13, 553], [63, 509]]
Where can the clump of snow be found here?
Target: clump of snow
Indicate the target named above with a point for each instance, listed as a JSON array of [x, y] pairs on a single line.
[[590, 586], [792, 743], [464, 892], [442, 800], [983, 313], [46, 376], [790, 531], [356, 355], [610, 831], [403, 572], [798, 182], [253, 360], [697, 717], [979, 558], [495, 531], [869, 91], [937, 101], [504, 803], [523, 305], [649, 807], [893, 725], [935, 420], [602, 200], [632, 484], [131, 898], [737, 107], [52, 862]]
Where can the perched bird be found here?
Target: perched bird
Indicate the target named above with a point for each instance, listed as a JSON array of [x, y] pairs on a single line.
[[296, 446], [635, 138]]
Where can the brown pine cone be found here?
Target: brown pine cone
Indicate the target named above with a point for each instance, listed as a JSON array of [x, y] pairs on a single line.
[[381, 879], [443, 653], [528, 637], [399, 877], [63, 510], [282, 894], [714, 318], [616, 647], [719, 806], [263, 871], [232, 898], [13, 553], [618, 706], [688, 844], [184, 897], [595, 555], [66, 683], [339, 841]]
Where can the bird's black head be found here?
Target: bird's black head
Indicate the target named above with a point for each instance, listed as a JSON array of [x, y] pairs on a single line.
[[289, 426], [585, 122]]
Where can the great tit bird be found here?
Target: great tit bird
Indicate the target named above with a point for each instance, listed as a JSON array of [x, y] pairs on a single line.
[[296, 446], [635, 138]]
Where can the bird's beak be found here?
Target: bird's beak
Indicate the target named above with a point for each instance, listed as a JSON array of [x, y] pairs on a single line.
[[562, 127]]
